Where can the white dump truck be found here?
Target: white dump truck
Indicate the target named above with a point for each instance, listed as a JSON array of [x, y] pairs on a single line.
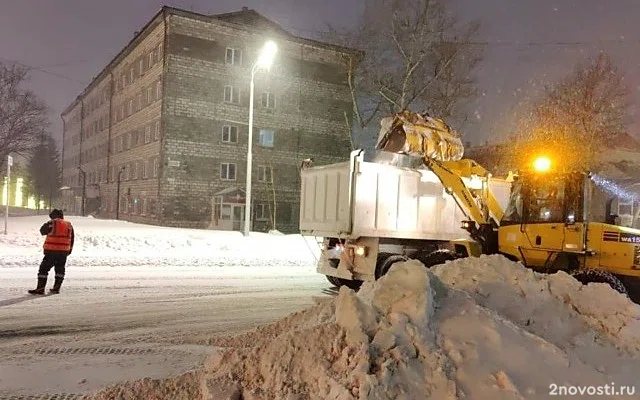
[[372, 214]]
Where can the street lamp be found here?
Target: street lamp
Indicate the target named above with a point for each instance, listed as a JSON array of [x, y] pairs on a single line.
[[265, 60]]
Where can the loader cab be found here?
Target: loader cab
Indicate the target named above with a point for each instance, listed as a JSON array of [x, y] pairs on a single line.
[[545, 216], [544, 199]]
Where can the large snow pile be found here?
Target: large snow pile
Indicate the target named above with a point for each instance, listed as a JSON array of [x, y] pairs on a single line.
[[476, 329], [114, 243]]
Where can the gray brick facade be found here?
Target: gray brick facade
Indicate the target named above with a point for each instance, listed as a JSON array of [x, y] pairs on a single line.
[[170, 116]]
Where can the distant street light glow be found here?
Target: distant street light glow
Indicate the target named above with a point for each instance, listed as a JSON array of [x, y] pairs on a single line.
[[18, 199]]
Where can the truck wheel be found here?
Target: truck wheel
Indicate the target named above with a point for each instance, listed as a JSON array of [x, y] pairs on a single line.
[[338, 282], [333, 280], [385, 261], [585, 276], [437, 257]]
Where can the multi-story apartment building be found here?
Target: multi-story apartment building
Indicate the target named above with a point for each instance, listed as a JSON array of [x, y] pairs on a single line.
[[160, 135]]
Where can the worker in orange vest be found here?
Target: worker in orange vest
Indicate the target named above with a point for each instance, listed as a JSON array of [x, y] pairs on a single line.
[[57, 246]]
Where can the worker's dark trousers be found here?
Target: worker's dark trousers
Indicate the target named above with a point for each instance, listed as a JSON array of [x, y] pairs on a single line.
[[53, 259]]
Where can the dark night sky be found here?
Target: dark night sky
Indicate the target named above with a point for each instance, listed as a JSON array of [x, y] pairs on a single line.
[[76, 38]]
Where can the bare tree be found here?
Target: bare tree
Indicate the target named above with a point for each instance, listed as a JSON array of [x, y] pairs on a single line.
[[416, 55], [23, 116], [44, 170], [580, 114]]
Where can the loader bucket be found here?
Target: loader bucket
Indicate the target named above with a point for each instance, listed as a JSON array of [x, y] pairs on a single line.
[[415, 135]]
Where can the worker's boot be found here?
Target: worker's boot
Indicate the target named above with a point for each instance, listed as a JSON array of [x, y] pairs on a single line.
[[42, 282], [56, 286]]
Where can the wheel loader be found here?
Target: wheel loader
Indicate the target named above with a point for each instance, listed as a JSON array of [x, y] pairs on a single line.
[[421, 199]]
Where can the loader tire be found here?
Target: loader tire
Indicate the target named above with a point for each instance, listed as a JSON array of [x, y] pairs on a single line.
[[632, 284], [350, 283], [437, 257], [385, 261], [586, 276]]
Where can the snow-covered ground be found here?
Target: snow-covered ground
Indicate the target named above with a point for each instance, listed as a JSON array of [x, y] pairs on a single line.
[[139, 301], [117, 243], [148, 302]]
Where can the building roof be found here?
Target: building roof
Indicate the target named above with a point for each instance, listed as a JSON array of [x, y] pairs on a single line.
[[245, 19], [251, 17]]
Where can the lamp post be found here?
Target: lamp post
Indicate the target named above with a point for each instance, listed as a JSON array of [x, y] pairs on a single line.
[[265, 60]]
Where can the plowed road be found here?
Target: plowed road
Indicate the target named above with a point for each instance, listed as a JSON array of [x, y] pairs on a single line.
[[114, 324]]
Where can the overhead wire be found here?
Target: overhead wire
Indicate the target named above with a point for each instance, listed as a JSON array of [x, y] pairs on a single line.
[[43, 70]]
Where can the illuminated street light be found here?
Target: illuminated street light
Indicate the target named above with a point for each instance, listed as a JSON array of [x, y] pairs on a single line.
[[542, 164], [264, 62]]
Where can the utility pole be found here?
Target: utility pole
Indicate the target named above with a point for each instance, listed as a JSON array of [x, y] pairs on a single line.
[[118, 193], [6, 206], [84, 189]]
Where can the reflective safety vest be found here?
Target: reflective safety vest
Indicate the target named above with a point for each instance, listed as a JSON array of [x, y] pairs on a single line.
[[59, 239]]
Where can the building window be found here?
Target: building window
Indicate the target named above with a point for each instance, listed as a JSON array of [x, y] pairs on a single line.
[[268, 100], [130, 107], [262, 211], [266, 138], [228, 171], [155, 167], [158, 90], [149, 95], [233, 56], [264, 173], [147, 134], [151, 59], [134, 139], [134, 170], [230, 134], [145, 172], [156, 130], [231, 95], [132, 75], [141, 66]]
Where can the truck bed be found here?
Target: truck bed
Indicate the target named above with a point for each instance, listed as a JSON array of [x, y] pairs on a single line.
[[365, 199]]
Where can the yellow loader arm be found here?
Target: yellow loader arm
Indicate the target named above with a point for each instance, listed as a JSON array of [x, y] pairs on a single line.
[[478, 204], [441, 150]]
